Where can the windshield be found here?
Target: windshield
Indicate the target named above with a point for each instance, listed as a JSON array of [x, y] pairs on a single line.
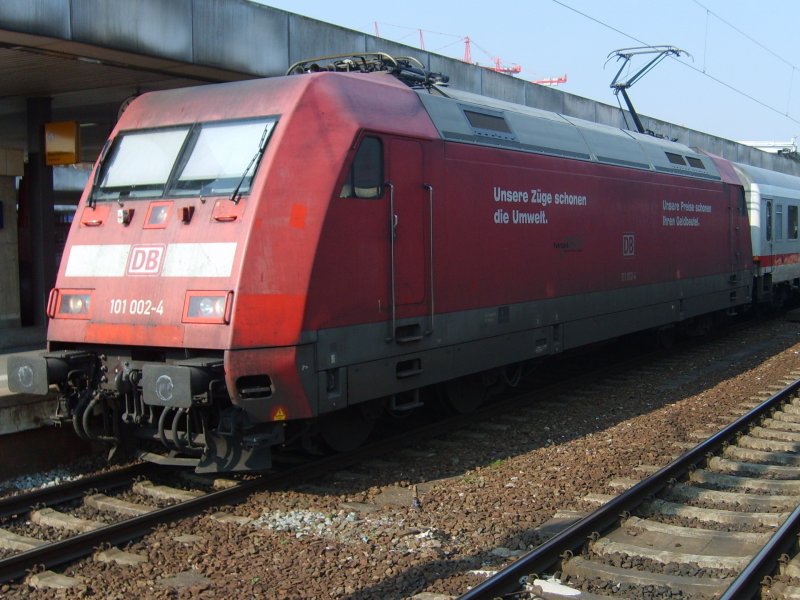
[[203, 159], [141, 163], [221, 157]]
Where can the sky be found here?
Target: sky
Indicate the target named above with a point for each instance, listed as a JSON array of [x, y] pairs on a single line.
[[739, 77]]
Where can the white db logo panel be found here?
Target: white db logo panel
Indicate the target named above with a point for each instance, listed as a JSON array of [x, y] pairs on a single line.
[[146, 260]]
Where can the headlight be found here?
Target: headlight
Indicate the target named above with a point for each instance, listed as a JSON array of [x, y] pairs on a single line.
[[207, 307], [74, 304], [78, 303]]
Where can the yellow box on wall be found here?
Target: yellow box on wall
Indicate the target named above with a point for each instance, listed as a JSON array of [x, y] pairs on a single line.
[[61, 143]]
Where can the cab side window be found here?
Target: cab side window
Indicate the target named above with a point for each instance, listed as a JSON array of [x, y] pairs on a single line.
[[365, 177]]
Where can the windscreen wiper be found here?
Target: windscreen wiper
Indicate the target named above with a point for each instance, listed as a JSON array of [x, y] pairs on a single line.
[[262, 145], [100, 163]]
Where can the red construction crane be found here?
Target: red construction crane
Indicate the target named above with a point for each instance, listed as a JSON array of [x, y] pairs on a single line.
[[512, 70], [498, 65], [552, 80]]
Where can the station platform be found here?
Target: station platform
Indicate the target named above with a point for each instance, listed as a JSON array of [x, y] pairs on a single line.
[[28, 440], [22, 338]]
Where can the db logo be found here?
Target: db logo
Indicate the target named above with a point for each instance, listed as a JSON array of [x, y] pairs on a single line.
[[145, 260], [628, 244]]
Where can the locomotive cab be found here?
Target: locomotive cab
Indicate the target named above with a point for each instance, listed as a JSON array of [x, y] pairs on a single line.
[[179, 325], [140, 318]]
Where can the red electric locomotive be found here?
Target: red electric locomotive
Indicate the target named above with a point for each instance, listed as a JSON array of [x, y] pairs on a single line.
[[258, 262]]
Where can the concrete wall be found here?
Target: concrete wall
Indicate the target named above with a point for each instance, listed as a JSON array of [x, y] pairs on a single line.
[[10, 166]]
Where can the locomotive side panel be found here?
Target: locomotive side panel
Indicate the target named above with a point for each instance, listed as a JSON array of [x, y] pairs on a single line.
[[532, 228], [529, 255]]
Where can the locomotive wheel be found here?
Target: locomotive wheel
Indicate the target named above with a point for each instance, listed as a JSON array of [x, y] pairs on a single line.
[[345, 430], [665, 337], [466, 394]]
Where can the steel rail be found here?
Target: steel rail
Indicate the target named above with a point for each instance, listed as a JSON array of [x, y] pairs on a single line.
[[83, 544], [748, 583], [514, 577]]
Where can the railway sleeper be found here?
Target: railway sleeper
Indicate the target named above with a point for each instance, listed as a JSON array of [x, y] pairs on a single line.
[[585, 570], [738, 482], [768, 433], [105, 503], [757, 443], [781, 425], [781, 589], [785, 459], [781, 415], [705, 536], [736, 467], [790, 409], [48, 517], [792, 568], [18, 543], [715, 553], [715, 516], [164, 492], [741, 501]]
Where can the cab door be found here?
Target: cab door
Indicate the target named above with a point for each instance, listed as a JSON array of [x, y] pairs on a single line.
[[410, 214]]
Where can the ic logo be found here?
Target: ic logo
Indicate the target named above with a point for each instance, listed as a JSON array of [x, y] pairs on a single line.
[[145, 260], [628, 248]]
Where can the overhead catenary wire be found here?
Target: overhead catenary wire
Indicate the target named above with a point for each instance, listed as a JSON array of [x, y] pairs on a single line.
[[684, 63], [744, 33], [757, 43]]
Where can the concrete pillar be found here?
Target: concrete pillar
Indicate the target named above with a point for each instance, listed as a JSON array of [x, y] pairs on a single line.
[[11, 165], [40, 208]]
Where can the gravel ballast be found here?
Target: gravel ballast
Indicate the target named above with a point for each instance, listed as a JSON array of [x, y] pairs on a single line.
[[437, 517]]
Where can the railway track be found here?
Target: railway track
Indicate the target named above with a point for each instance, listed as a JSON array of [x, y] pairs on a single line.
[[68, 549], [720, 521], [62, 537]]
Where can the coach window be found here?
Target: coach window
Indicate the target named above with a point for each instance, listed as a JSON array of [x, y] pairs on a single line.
[[779, 221], [769, 220], [365, 178], [792, 222]]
